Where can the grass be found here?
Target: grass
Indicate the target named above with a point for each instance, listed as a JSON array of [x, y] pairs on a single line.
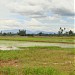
[[38, 61], [31, 71], [52, 39]]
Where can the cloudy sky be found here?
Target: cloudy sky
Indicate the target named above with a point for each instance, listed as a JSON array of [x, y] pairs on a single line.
[[37, 15]]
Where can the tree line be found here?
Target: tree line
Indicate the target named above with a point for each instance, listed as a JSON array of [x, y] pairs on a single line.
[[61, 32]]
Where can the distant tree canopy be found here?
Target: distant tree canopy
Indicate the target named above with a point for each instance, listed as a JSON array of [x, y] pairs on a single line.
[[4, 34], [61, 32], [40, 33], [22, 32], [70, 32]]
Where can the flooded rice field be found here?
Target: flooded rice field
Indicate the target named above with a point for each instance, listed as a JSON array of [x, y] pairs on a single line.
[[14, 45]]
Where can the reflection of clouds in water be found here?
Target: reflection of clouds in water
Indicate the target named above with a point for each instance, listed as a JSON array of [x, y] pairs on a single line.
[[13, 45]]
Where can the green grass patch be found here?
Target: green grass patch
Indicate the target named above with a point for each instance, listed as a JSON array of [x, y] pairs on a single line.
[[31, 71], [52, 39]]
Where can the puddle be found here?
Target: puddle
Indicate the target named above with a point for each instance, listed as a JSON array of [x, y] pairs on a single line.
[[13, 45]]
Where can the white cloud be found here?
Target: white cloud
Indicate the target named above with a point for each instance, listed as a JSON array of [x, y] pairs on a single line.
[[34, 8], [40, 8], [43, 14], [33, 25], [9, 24]]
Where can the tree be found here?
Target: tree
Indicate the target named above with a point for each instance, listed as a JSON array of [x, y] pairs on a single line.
[[4, 34], [1, 33], [70, 32], [40, 33], [22, 32], [61, 30]]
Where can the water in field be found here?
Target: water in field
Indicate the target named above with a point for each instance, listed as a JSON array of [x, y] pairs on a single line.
[[13, 45]]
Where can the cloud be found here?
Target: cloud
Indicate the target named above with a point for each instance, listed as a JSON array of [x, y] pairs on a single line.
[[63, 7], [63, 12], [42, 14], [33, 25], [40, 8], [7, 24], [33, 9]]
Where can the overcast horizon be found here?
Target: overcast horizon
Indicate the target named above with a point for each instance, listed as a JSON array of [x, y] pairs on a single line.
[[37, 15]]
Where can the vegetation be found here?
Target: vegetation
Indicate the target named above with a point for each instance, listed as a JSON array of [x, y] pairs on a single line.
[[70, 32], [22, 32], [61, 32], [51, 39], [37, 61], [30, 71]]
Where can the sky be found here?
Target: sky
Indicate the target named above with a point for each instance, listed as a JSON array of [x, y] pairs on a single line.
[[37, 15]]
